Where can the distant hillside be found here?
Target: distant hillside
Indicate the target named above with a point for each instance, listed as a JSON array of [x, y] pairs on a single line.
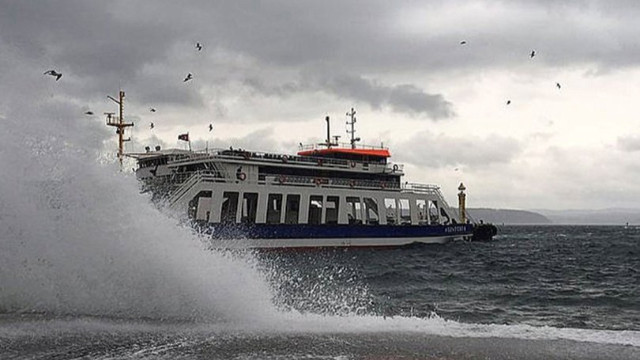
[[593, 217], [508, 217]]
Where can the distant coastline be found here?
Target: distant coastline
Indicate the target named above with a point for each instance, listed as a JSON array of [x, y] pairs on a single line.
[[509, 217], [613, 216]]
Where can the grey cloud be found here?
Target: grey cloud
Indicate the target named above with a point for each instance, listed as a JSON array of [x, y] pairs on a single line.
[[437, 151], [258, 140], [402, 98], [629, 143], [405, 98], [147, 46]]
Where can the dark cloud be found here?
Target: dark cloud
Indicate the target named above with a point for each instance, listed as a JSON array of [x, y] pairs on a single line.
[[404, 98], [148, 47]]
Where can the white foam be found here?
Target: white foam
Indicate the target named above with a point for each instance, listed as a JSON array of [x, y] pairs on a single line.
[[78, 237]]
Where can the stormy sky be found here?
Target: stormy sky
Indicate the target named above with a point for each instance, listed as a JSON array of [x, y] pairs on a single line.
[[270, 71]]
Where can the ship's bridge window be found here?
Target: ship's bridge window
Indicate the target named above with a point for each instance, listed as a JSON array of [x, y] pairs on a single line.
[[405, 211], [434, 217], [315, 209], [274, 208], [392, 211], [446, 217], [200, 206], [229, 206], [421, 205], [354, 210], [332, 207], [292, 209], [249, 207], [371, 211]]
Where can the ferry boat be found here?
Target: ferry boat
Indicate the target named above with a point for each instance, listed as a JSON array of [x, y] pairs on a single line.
[[325, 195]]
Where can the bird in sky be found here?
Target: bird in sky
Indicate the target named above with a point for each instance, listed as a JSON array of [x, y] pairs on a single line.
[[53, 73], [151, 125], [533, 53], [198, 46], [189, 77], [463, 42], [508, 102], [558, 85], [210, 127], [88, 112], [152, 109]]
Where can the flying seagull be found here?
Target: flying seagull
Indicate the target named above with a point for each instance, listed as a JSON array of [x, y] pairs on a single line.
[[463, 42], [189, 77], [152, 109], [558, 85], [53, 73], [151, 125], [210, 127], [533, 53], [198, 46], [508, 102], [88, 112]]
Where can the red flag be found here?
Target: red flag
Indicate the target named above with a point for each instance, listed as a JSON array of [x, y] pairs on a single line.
[[183, 137]]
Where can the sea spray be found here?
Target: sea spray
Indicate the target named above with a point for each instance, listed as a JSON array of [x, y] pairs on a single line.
[[77, 237]]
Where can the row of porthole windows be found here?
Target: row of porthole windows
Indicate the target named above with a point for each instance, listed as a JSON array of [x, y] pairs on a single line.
[[322, 209]]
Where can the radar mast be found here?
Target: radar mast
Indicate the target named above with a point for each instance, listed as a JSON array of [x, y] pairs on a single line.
[[352, 123], [119, 124]]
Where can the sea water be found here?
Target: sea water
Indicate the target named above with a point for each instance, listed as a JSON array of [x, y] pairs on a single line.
[[89, 268]]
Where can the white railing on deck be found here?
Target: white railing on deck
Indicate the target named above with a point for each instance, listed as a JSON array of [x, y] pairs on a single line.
[[342, 145]]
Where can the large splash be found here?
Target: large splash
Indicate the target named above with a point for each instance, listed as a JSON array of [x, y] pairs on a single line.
[[77, 237]]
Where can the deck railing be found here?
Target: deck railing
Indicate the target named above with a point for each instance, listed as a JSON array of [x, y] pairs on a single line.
[[372, 167], [343, 145]]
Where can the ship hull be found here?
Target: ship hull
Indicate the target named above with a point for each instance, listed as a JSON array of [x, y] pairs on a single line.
[[323, 236]]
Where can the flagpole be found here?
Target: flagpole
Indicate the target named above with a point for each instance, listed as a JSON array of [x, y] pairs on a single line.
[[189, 140]]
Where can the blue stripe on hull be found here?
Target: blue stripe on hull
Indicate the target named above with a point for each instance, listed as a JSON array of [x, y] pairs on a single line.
[[303, 231]]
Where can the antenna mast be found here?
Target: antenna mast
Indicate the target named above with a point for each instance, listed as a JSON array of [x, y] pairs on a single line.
[[119, 124], [352, 123]]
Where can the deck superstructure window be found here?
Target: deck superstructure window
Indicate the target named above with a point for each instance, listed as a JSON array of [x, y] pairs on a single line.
[[332, 206], [421, 205], [371, 211], [392, 211], [249, 207], [354, 210], [292, 211], [274, 208], [405, 211], [229, 206], [315, 209], [434, 217]]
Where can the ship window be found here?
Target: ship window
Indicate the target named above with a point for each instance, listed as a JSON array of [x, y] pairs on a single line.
[[274, 208], [249, 207], [422, 211], [405, 211], [229, 207], [434, 217], [371, 211], [292, 211], [445, 216], [200, 206], [315, 209], [392, 211], [354, 210], [332, 206]]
